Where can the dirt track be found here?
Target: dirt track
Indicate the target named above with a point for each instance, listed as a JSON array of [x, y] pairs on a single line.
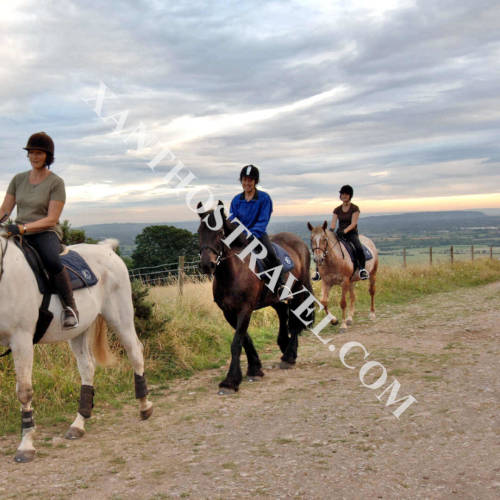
[[311, 432]]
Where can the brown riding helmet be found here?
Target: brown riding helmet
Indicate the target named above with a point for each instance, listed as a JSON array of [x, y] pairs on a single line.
[[42, 142]]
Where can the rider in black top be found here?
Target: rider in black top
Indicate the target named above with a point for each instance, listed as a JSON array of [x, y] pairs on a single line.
[[347, 216]]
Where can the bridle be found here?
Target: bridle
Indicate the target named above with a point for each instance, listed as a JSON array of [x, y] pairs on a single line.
[[324, 251], [220, 256]]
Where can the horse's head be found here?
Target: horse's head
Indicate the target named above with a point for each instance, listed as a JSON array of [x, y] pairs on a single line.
[[211, 233], [319, 242]]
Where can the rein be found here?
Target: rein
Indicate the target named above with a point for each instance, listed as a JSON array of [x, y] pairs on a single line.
[[3, 251]]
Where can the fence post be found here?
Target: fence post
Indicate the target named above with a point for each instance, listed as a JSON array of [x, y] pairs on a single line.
[[451, 254], [430, 256], [180, 274], [491, 252], [472, 252], [404, 257]]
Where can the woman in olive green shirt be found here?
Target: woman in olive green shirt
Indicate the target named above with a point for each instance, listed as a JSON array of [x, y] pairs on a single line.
[[40, 196]]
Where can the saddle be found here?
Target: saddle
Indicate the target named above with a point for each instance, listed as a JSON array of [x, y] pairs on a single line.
[[351, 250], [80, 274], [282, 255]]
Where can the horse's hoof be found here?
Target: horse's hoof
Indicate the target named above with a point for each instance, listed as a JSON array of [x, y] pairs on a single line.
[[226, 391], [74, 433], [343, 329], [254, 378], [372, 316], [349, 322], [285, 365], [334, 322], [145, 414], [24, 456]]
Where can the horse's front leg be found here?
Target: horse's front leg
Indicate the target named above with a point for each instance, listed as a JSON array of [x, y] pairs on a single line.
[[325, 292], [22, 354], [234, 376], [352, 304], [343, 305], [86, 366]]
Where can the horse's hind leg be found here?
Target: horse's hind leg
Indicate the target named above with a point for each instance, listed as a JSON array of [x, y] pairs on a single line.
[[86, 366], [352, 304], [372, 295], [22, 354], [118, 312], [343, 305], [283, 337]]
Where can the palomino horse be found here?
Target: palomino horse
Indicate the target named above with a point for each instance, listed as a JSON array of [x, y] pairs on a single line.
[[238, 292], [110, 300], [336, 268]]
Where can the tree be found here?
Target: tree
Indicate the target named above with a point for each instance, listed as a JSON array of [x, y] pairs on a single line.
[[74, 236], [160, 244]]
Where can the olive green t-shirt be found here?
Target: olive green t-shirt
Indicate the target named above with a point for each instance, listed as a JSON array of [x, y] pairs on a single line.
[[32, 200]]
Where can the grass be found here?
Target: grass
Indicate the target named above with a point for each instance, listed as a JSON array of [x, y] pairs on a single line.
[[191, 334]]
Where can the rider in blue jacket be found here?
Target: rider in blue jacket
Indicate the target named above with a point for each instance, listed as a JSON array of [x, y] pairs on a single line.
[[253, 208]]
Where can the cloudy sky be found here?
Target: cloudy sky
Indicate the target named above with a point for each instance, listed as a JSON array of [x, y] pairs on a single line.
[[399, 98]]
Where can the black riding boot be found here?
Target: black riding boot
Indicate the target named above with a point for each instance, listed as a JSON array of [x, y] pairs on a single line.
[[272, 261], [63, 287]]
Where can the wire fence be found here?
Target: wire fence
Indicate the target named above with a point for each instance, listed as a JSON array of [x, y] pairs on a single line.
[[170, 273], [181, 271], [438, 254]]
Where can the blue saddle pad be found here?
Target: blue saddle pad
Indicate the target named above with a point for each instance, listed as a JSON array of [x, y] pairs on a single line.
[[352, 251], [282, 255], [80, 273]]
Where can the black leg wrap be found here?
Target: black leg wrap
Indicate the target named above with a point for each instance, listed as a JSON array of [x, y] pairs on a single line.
[[86, 401], [141, 389], [27, 419]]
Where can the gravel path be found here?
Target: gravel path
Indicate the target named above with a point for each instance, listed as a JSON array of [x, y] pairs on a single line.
[[310, 432]]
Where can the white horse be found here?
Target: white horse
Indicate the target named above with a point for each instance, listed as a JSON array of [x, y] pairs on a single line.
[[110, 300]]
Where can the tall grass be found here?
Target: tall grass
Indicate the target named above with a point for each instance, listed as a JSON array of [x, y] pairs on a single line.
[[189, 333]]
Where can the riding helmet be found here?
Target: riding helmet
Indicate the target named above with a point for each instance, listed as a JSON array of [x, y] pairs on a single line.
[[347, 190], [250, 171], [42, 142]]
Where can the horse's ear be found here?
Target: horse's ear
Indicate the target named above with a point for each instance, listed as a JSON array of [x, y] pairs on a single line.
[[325, 225], [309, 226], [198, 209], [220, 204]]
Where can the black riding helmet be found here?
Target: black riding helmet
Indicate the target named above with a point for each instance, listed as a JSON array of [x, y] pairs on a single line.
[[42, 142], [347, 190], [250, 171]]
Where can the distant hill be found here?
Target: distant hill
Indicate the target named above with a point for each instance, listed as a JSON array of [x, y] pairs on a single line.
[[459, 223]]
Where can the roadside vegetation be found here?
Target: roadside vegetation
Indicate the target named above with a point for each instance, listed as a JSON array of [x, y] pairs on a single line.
[[185, 334]]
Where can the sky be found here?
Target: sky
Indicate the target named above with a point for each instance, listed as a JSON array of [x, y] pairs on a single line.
[[399, 98]]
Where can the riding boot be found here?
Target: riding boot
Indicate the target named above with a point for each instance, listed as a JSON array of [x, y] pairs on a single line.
[[316, 276], [63, 287]]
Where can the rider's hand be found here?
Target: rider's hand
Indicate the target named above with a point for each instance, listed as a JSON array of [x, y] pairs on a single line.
[[13, 229]]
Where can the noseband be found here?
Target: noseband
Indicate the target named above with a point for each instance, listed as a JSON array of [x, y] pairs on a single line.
[[218, 253]]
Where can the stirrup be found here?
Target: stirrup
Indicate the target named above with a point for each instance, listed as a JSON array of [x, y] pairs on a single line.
[[282, 288], [64, 318], [316, 276], [363, 274]]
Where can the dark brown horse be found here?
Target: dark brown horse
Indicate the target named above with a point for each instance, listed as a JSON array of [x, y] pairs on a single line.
[[238, 291]]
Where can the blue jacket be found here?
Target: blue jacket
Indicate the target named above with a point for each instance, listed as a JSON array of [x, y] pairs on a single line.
[[253, 214]]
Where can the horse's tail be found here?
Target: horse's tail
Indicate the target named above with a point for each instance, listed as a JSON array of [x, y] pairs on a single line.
[[100, 346], [112, 242]]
